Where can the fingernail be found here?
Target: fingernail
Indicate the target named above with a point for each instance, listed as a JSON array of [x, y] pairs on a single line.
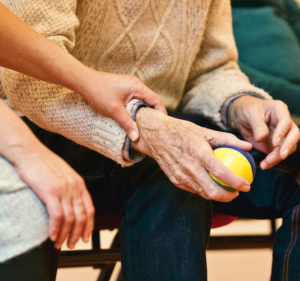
[[263, 165], [71, 246], [86, 239], [133, 135], [285, 153]]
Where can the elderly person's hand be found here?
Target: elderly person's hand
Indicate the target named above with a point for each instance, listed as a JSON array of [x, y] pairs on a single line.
[[184, 152], [267, 124]]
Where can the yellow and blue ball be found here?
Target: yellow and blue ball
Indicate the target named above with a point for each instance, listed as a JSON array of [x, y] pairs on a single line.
[[238, 161]]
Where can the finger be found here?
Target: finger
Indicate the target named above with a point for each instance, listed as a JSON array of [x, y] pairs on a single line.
[[222, 173], [293, 149], [218, 138], [79, 222], [259, 127], [290, 141], [123, 118], [55, 217], [283, 127], [149, 97], [211, 190], [67, 222], [189, 184], [90, 213], [272, 159]]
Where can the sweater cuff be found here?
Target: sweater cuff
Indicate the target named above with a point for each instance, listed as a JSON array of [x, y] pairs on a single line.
[[225, 107], [109, 138], [130, 154]]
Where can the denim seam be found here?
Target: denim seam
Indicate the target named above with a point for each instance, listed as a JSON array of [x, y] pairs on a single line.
[[295, 240], [285, 273]]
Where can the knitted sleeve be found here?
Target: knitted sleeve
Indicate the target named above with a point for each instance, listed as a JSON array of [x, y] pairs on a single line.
[[215, 75], [52, 107]]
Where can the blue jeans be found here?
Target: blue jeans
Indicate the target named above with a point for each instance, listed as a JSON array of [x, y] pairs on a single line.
[[165, 230]]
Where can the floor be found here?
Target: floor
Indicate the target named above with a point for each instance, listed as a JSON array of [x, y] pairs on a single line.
[[232, 265]]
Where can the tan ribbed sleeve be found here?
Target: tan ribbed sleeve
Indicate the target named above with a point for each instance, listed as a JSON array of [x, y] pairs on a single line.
[[52, 107], [215, 75]]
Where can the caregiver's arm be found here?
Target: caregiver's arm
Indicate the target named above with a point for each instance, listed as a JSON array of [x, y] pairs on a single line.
[[24, 50], [58, 186]]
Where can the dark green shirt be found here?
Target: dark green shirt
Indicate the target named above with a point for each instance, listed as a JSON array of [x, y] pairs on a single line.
[[267, 34]]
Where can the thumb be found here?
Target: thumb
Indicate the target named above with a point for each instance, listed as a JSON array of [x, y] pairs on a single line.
[[259, 127], [123, 118]]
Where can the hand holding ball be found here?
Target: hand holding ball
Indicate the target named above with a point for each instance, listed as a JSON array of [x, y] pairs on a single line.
[[238, 161]]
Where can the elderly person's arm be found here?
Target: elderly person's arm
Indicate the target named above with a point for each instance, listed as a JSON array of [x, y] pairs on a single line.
[[183, 150], [26, 51]]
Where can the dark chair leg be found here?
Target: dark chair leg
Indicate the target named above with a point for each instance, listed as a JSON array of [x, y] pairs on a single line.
[[96, 240], [107, 270]]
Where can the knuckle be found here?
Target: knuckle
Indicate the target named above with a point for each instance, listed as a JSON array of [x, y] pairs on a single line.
[[80, 181], [72, 182], [82, 219], [281, 104], [212, 193], [186, 166], [57, 216], [54, 190], [158, 99], [69, 219], [180, 177], [219, 174], [136, 83], [91, 211]]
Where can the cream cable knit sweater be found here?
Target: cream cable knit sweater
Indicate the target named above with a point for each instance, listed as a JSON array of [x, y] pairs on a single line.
[[183, 50]]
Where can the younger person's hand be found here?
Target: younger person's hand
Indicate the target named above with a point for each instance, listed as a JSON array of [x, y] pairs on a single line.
[[61, 189], [109, 94]]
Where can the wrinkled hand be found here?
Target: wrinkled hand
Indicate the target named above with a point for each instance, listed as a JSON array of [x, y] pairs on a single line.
[[267, 124], [61, 189], [184, 152], [109, 93]]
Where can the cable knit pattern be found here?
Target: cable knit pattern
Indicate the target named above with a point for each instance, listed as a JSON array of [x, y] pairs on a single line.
[[183, 50]]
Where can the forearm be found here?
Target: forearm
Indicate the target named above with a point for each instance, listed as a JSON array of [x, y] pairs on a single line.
[[25, 50], [15, 137]]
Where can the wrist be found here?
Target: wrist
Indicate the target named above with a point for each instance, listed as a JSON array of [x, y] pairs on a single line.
[[19, 152], [81, 79], [151, 124], [237, 107]]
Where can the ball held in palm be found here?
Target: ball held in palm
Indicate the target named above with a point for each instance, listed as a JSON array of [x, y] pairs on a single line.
[[238, 161]]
